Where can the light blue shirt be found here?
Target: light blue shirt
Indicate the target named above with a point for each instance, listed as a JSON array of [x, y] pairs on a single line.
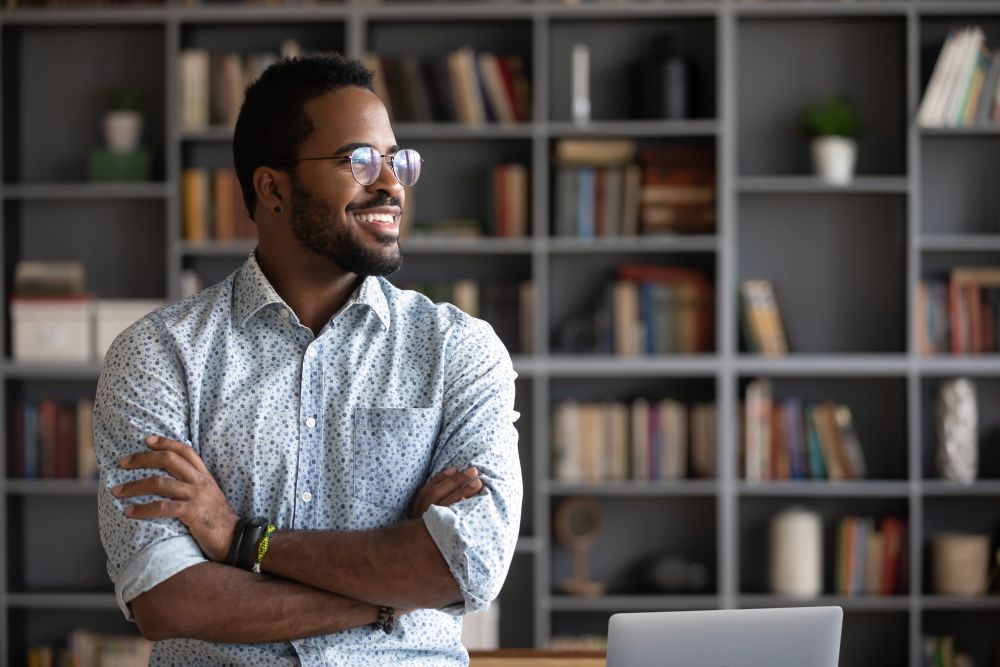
[[329, 432]]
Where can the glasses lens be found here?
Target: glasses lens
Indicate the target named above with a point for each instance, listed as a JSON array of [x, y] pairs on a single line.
[[406, 164], [366, 164]]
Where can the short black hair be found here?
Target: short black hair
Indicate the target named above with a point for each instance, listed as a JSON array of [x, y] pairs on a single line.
[[273, 124]]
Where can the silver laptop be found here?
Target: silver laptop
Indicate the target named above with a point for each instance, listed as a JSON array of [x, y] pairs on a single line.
[[790, 637]]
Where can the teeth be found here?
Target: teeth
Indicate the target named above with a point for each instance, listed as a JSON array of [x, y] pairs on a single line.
[[375, 217]]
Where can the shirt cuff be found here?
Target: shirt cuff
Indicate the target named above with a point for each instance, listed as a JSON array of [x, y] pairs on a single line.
[[153, 565], [444, 526]]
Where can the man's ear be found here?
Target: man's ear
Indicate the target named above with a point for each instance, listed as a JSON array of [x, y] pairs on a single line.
[[273, 188]]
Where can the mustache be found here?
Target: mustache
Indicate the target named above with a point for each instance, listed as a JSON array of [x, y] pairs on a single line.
[[383, 200]]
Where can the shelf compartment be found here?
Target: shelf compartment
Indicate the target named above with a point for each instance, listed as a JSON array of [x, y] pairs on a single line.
[[988, 426], [879, 414], [975, 631], [684, 528], [837, 263], [958, 514], [863, 57], [516, 604], [616, 46], [49, 627], [958, 194], [47, 145]]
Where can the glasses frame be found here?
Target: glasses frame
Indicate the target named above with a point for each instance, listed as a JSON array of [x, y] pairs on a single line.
[[381, 156]]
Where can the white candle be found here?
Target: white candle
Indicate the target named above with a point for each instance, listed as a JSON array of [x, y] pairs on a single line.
[[796, 542], [581, 83]]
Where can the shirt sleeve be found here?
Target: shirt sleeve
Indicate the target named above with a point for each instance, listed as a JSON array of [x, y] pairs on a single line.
[[477, 536], [141, 392]]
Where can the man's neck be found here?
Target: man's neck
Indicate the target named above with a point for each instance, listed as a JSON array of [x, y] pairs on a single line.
[[313, 287]]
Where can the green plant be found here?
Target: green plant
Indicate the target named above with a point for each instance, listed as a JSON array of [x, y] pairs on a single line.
[[835, 117], [124, 98]]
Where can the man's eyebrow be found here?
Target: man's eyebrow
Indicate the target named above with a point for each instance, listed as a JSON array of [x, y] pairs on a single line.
[[346, 148]]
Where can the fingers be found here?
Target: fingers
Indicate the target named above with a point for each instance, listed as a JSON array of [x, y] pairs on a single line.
[[420, 503], [467, 490], [155, 509], [160, 443], [167, 459], [158, 485]]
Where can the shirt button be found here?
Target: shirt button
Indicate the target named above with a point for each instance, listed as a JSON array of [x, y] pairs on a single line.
[[285, 314], [311, 422], [306, 497], [311, 352]]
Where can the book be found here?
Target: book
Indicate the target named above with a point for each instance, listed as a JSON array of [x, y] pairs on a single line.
[[195, 78], [762, 320]]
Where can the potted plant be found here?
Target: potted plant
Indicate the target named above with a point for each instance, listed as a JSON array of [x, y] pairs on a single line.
[[833, 126], [123, 121]]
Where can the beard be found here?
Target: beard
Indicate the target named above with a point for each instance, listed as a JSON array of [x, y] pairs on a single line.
[[316, 226]]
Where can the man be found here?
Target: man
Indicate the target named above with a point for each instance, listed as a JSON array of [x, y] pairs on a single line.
[[307, 392]]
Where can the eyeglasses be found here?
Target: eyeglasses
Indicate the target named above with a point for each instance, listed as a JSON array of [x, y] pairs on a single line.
[[366, 164]]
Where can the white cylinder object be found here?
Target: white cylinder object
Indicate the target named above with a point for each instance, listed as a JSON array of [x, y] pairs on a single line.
[[122, 130], [796, 540], [834, 159], [580, 81]]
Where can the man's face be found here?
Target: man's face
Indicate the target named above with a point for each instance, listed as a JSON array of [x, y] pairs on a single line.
[[354, 226]]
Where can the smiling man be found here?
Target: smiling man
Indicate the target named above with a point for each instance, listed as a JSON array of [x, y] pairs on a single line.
[[304, 464]]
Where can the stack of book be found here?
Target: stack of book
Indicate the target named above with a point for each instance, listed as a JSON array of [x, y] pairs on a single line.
[[870, 561], [212, 84], [213, 206], [463, 87], [648, 310], [963, 89], [960, 315], [86, 648], [52, 440], [507, 306], [792, 439], [678, 190], [645, 440]]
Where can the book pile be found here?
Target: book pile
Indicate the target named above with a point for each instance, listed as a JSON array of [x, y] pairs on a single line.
[[963, 89], [602, 191], [213, 207], [91, 649], [212, 84], [960, 315], [463, 87], [52, 440], [507, 306], [791, 439], [645, 440], [870, 561], [762, 327], [941, 651], [648, 310]]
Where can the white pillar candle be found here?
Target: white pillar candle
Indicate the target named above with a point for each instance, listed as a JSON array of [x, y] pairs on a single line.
[[796, 541], [581, 83]]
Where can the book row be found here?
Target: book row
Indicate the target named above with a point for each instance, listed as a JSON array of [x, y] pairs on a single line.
[[612, 188], [52, 440], [462, 86], [870, 559], [963, 89], [85, 648], [960, 315], [213, 206], [793, 439], [648, 310], [645, 440], [507, 306]]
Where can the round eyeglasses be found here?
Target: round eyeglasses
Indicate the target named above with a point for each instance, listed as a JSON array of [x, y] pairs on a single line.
[[366, 164]]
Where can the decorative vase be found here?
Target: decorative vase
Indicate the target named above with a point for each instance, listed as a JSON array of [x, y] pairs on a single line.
[[834, 159], [122, 129], [796, 558], [957, 431]]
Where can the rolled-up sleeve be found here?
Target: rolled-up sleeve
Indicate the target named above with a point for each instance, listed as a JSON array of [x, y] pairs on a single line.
[[477, 536], [141, 392]]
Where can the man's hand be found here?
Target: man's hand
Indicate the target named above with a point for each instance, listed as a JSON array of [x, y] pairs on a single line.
[[447, 487], [191, 494]]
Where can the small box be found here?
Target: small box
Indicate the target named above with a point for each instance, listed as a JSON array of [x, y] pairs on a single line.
[[52, 329], [113, 316]]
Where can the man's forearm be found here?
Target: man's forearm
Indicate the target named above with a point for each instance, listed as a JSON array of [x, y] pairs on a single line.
[[398, 566], [222, 604]]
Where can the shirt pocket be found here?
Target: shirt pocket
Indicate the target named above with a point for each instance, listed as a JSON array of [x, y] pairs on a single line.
[[392, 453]]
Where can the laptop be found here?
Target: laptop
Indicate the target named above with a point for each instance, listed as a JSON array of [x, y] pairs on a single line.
[[792, 637]]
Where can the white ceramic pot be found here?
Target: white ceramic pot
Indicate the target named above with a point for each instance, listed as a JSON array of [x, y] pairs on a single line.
[[122, 130], [834, 159]]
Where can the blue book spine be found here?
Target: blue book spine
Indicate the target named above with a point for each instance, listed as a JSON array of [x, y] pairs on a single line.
[[30, 440], [585, 203], [792, 413], [816, 465]]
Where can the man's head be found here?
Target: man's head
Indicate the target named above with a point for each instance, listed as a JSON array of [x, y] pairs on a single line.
[[319, 107]]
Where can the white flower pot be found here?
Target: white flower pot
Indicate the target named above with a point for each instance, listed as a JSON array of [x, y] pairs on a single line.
[[834, 159], [122, 130]]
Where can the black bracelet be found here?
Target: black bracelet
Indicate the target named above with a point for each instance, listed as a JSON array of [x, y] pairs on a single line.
[[386, 619], [234, 549], [252, 532]]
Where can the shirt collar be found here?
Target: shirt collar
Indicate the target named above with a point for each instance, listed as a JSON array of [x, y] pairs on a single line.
[[253, 291]]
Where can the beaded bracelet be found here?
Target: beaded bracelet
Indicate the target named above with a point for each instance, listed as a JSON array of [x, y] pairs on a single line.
[[386, 619], [262, 547], [252, 533]]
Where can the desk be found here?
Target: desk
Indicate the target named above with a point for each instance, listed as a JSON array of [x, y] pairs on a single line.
[[531, 658]]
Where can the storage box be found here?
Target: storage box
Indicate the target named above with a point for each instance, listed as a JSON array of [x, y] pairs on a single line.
[[52, 329], [113, 316]]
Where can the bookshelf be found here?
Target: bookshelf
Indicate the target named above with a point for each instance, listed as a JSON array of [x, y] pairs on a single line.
[[907, 215]]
